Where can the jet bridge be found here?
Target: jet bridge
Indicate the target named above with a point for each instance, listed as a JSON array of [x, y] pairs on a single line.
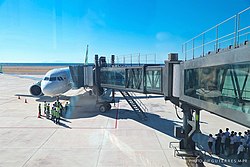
[[82, 76], [216, 81], [142, 79], [219, 84]]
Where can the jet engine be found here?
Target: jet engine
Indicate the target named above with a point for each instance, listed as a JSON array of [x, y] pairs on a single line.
[[36, 90]]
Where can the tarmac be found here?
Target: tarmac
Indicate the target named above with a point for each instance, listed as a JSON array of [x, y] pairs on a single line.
[[90, 138]]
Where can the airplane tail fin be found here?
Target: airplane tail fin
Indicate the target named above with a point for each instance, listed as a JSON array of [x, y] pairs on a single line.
[[86, 56]]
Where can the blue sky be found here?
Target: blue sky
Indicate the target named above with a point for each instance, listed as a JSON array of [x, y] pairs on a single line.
[[59, 30]]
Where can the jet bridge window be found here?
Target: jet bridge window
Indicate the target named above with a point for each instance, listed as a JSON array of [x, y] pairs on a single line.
[[227, 85]]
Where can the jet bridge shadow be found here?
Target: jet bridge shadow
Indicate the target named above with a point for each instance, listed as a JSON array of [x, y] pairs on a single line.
[[84, 106], [154, 121]]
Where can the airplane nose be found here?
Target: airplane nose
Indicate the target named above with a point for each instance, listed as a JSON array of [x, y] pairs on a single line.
[[47, 88]]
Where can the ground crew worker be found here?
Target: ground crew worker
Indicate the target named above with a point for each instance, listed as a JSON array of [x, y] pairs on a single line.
[[53, 110], [57, 103], [48, 111], [39, 110], [57, 115], [60, 109], [45, 107]]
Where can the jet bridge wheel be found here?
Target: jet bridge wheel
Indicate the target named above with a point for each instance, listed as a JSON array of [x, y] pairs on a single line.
[[104, 107]]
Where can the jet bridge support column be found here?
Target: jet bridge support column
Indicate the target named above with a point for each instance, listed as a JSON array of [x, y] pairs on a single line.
[[187, 116], [190, 126], [113, 64]]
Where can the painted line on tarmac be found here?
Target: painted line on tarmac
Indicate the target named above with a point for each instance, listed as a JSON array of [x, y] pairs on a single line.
[[29, 127]]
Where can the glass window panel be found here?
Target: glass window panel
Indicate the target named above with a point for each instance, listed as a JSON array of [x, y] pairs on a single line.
[[227, 85], [153, 79], [113, 76]]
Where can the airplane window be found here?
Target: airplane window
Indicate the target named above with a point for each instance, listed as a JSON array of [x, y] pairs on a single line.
[[52, 78], [58, 78], [46, 78], [61, 79]]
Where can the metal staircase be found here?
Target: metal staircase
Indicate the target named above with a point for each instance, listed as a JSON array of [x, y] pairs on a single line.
[[135, 104]]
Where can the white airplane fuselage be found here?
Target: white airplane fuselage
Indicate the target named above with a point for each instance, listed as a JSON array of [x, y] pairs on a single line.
[[56, 82]]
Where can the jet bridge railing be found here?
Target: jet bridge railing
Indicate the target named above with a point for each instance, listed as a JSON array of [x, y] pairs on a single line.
[[142, 79], [230, 33]]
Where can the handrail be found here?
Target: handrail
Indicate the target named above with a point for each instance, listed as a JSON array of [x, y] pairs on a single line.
[[139, 102], [244, 28], [211, 28], [189, 47], [244, 10]]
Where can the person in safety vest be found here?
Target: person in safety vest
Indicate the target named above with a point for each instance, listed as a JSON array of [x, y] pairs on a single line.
[[53, 110], [57, 115], [48, 111], [45, 107], [39, 110]]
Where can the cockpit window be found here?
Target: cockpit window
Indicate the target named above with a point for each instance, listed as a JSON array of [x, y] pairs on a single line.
[[52, 78], [46, 78], [59, 78]]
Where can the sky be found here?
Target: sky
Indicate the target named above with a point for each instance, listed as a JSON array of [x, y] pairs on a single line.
[[58, 31]]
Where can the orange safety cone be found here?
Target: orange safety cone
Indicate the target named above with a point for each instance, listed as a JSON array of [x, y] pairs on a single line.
[[25, 101]]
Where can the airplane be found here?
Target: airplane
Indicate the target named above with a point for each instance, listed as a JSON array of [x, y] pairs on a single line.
[[54, 83], [58, 81]]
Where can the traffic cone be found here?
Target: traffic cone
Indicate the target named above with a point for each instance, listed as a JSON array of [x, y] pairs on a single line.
[[19, 97], [25, 101]]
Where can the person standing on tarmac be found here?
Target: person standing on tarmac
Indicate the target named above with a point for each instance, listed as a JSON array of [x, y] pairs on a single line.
[[39, 110], [48, 111], [45, 107], [66, 107], [217, 144], [61, 109], [240, 153], [53, 113], [57, 114], [210, 143], [223, 140]]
